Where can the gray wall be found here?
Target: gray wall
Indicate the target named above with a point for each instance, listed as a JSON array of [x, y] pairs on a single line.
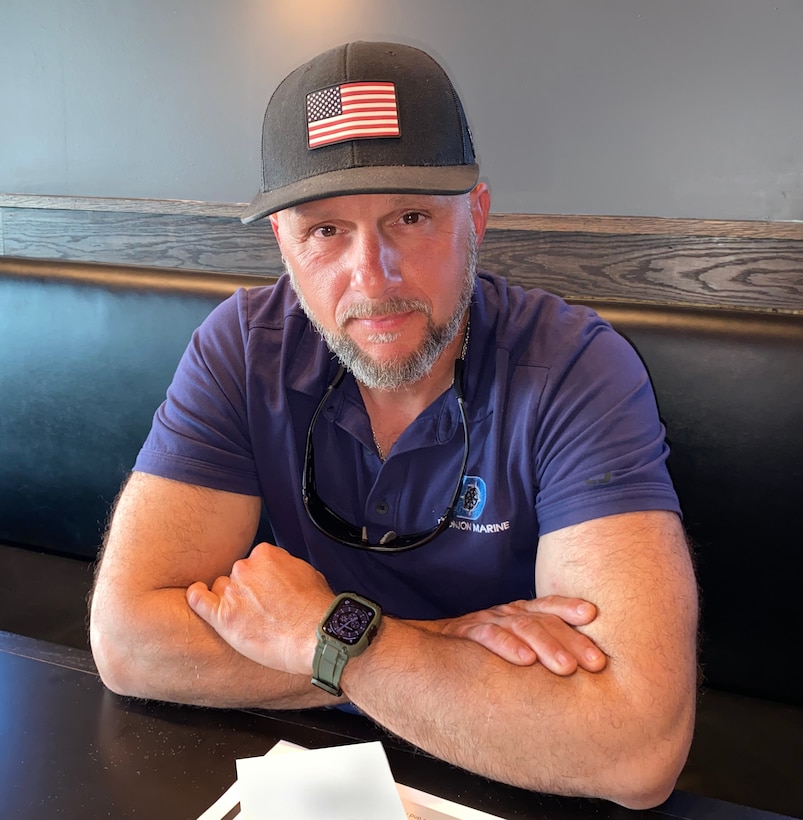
[[685, 108]]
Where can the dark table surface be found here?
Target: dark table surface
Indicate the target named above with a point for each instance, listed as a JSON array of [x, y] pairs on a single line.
[[70, 748]]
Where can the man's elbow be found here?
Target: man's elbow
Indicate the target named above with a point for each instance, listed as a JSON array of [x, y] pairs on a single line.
[[649, 776], [114, 666], [650, 791]]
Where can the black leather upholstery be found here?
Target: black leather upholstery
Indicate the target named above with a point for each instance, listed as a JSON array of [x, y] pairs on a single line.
[[87, 351], [729, 385], [86, 355]]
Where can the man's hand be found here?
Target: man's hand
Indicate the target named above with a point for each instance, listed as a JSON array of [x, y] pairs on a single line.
[[267, 609], [538, 630], [269, 606]]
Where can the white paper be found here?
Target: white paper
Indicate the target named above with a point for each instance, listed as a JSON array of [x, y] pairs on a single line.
[[417, 805], [423, 806], [335, 783], [224, 804]]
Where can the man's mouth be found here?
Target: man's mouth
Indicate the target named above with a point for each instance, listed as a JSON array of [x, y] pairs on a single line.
[[381, 323], [385, 314]]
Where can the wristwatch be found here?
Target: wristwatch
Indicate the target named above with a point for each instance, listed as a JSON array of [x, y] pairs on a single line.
[[345, 631]]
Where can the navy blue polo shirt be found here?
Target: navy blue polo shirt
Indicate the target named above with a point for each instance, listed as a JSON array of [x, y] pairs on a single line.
[[563, 429]]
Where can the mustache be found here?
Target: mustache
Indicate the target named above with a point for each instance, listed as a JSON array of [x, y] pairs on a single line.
[[385, 307]]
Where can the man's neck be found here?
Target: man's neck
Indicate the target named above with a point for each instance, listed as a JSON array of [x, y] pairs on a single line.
[[392, 411]]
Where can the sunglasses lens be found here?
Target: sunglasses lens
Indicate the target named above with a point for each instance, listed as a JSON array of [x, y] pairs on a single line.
[[338, 529]]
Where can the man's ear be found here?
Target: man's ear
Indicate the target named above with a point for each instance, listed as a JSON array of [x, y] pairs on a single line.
[[274, 223], [480, 203]]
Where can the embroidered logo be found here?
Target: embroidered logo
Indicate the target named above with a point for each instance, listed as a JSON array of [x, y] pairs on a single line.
[[472, 498]]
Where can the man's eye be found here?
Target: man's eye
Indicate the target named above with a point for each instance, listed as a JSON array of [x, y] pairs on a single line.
[[325, 231], [412, 218]]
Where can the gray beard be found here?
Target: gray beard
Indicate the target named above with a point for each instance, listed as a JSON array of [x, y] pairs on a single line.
[[403, 371]]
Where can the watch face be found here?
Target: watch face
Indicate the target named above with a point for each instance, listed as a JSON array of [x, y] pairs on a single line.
[[349, 622]]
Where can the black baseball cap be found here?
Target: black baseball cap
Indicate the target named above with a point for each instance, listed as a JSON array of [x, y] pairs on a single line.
[[363, 118]]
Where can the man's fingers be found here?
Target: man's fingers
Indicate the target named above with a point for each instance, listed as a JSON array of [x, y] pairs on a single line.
[[559, 645], [583, 651], [574, 611], [512, 647], [202, 601], [551, 640], [501, 642], [522, 634]]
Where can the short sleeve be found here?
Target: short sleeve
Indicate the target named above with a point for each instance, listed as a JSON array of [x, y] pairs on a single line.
[[600, 446], [200, 433]]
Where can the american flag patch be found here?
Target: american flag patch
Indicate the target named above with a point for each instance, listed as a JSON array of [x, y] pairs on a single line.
[[352, 111]]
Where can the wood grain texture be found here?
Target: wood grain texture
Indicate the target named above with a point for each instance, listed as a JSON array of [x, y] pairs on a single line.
[[572, 223], [754, 273], [647, 225], [172, 207], [739, 264], [163, 240]]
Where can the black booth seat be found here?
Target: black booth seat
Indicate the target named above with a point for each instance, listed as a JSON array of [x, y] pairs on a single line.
[[87, 352]]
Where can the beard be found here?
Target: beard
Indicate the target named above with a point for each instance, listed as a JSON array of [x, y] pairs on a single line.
[[403, 371]]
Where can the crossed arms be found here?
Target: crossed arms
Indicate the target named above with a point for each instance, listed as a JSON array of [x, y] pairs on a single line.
[[520, 693]]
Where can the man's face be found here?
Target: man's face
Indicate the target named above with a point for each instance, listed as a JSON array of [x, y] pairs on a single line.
[[385, 278]]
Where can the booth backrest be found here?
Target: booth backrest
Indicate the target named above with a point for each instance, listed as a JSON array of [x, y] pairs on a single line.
[[87, 352], [729, 385], [86, 355]]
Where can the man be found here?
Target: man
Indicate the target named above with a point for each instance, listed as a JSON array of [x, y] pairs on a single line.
[[478, 469]]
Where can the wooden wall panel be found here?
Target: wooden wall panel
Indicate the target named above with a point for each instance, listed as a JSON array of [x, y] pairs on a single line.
[[163, 240], [755, 273], [715, 263]]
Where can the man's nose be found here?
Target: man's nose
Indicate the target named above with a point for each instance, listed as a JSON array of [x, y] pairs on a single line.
[[374, 265]]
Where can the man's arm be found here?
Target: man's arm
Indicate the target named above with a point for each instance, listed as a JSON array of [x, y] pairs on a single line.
[[147, 642], [165, 535], [622, 733]]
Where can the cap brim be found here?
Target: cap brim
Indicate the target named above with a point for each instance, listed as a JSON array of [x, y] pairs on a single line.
[[449, 180]]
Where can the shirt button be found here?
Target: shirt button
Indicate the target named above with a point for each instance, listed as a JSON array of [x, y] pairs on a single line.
[[381, 508]]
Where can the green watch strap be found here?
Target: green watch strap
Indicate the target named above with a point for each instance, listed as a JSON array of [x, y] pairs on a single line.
[[347, 628], [328, 665]]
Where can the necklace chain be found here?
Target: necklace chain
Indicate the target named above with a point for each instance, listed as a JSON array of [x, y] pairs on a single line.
[[379, 451], [463, 350]]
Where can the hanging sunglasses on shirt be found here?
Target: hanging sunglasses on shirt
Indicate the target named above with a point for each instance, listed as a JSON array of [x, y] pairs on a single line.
[[350, 535]]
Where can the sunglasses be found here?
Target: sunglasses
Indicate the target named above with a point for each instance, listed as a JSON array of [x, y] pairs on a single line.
[[350, 535]]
